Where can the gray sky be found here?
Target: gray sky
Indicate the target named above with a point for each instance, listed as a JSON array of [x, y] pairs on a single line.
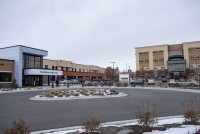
[[98, 31]]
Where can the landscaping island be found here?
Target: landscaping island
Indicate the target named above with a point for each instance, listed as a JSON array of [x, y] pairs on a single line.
[[77, 94]]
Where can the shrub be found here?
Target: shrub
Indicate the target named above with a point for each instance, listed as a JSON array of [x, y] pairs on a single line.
[[67, 95], [101, 83], [85, 93], [60, 95], [88, 84], [100, 94], [147, 116], [110, 83], [95, 84], [55, 93], [93, 93], [20, 127], [92, 125], [76, 94], [14, 85], [51, 95], [118, 84], [106, 83], [192, 117], [192, 111], [125, 84], [160, 84]]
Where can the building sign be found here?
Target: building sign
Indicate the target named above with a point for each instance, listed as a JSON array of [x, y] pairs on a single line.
[[124, 77], [42, 72]]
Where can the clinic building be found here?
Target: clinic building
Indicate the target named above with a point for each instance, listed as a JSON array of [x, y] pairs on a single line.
[[25, 65]]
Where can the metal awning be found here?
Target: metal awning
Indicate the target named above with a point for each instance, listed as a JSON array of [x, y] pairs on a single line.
[[43, 72]]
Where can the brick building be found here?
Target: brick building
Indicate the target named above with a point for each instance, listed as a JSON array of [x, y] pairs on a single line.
[[181, 60]]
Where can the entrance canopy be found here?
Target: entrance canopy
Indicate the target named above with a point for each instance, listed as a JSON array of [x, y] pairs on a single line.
[[42, 72]]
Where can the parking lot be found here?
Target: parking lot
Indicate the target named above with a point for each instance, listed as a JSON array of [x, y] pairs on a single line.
[[56, 114]]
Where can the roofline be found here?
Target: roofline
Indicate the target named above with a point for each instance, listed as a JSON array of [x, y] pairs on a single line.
[[25, 47], [151, 46], [76, 63], [191, 42], [7, 59], [168, 44]]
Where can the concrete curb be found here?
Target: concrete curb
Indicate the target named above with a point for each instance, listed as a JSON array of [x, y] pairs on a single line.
[[78, 97]]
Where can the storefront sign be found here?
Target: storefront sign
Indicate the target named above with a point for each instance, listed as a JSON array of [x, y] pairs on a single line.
[[42, 72]]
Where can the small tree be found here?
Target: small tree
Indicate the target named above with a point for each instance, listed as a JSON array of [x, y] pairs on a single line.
[[20, 127], [147, 115], [192, 117], [14, 84], [91, 125], [192, 111]]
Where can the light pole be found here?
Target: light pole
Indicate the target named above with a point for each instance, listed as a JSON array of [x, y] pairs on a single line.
[[197, 70], [113, 69], [126, 66]]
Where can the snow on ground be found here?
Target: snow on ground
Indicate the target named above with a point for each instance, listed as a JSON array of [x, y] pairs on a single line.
[[170, 120], [184, 129]]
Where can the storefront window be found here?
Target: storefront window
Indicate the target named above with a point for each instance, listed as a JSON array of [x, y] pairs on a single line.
[[5, 77], [32, 61]]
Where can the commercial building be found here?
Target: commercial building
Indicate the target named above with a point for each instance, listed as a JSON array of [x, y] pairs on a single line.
[[179, 60], [75, 71], [6, 71], [28, 65]]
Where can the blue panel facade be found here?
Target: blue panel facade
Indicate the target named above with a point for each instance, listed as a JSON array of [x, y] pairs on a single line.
[[16, 53]]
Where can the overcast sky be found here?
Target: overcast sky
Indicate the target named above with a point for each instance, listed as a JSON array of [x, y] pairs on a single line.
[[98, 31]]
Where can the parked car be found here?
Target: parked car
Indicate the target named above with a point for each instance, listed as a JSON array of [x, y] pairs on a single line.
[[151, 82], [112, 91], [188, 83], [64, 81], [172, 82], [137, 81], [96, 80], [74, 81]]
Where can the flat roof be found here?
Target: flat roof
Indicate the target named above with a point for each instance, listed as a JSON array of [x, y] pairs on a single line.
[[152, 46], [23, 46], [7, 59], [74, 63], [191, 42], [168, 44]]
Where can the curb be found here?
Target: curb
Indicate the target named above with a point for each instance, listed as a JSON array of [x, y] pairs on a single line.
[[77, 98]]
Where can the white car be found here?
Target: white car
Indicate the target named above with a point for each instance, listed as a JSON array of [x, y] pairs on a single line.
[[189, 83], [172, 81], [151, 82], [64, 82]]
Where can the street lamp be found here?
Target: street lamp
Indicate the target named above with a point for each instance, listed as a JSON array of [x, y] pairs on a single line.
[[113, 69], [197, 70], [126, 66]]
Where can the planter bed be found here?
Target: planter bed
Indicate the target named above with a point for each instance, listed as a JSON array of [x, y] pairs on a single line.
[[77, 94]]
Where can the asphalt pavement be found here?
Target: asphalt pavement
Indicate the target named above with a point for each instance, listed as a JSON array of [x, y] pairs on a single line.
[[42, 115]]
